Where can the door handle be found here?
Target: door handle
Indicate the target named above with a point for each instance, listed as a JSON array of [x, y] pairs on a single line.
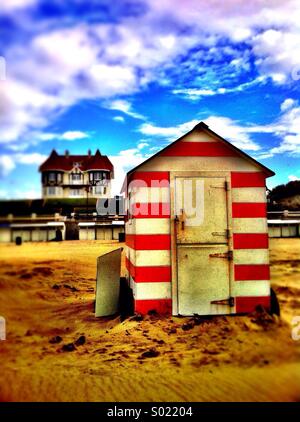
[[180, 219]]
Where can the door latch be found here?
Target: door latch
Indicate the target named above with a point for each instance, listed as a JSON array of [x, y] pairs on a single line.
[[226, 233], [225, 302], [227, 255]]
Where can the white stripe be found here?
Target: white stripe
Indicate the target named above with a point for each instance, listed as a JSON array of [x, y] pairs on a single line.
[[251, 256], [196, 136], [148, 258], [150, 194], [155, 290], [248, 195], [251, 288], [131, 282], [148, 226], [161, 163], [249, 225], [130, 254]]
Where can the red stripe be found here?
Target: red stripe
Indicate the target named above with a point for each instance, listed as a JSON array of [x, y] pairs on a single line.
[[127, 264], [129, 240], [252, 272], [148, 242], [152, 274], [130, 267], [150, 210], [149, 274], [249, 209], [161, 306], [248, 180], [250, 241], [150, 178], [248, 304], [199, 149]]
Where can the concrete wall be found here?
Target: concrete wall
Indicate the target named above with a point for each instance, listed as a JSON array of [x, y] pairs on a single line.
[[100, 232], [277, 231], [5, 234]]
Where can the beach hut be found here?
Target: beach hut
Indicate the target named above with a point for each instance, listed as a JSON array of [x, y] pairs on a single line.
[[196, 230]]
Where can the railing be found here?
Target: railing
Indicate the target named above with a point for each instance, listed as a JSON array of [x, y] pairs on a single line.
[[283, 215]]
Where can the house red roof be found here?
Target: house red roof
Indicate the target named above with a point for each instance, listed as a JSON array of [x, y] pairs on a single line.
[[85, 162]]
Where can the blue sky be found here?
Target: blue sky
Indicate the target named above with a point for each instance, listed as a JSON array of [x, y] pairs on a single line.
[[128, 77]]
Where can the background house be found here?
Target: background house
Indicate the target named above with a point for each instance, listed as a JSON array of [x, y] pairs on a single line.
[[75, 176]]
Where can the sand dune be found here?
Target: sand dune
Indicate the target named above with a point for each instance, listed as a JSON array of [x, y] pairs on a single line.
[[56, 350]]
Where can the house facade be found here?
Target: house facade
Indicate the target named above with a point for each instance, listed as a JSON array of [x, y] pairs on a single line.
[[76, 176]]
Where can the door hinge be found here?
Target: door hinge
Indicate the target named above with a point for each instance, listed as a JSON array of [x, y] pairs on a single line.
[[227, 255], [225, 233], [226, 302], [225, 186]]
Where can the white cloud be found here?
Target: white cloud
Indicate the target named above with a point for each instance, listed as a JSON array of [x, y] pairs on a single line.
[[287, 104], [196, 94], [125, 107], [170, 133], [12, 5], [290, 145], [73, 135], [288, 129], [30, 158], [123, 162], [6, 165], [293, 178], [226, 127], [9, 162], [233, 132], [142, 145], [277, 52], [119, 119], [60, 67]]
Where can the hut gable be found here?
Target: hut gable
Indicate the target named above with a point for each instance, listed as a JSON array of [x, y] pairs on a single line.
[[206, 148]]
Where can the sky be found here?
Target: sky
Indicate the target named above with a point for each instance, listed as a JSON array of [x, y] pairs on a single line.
[[130, 76]]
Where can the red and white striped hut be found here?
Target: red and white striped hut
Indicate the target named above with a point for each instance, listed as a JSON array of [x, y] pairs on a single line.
[[197, 234]]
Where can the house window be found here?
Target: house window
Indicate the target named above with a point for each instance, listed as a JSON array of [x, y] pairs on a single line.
[[51, 190], [97, 175], [75, 192], [98, 190], [59, 177], [51, 177], [76, 176]]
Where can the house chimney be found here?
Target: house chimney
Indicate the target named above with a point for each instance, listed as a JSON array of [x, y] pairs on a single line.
[[66, 153], [89, 152]]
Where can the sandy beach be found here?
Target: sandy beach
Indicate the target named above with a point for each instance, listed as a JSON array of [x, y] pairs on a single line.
[[56, 350]]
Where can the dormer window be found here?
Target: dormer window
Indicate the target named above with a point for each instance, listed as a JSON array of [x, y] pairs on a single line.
[[97, 175], [77, 164], [76, 176], [51, 177]]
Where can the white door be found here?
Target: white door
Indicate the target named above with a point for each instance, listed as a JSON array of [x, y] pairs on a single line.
[[201, 233]]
